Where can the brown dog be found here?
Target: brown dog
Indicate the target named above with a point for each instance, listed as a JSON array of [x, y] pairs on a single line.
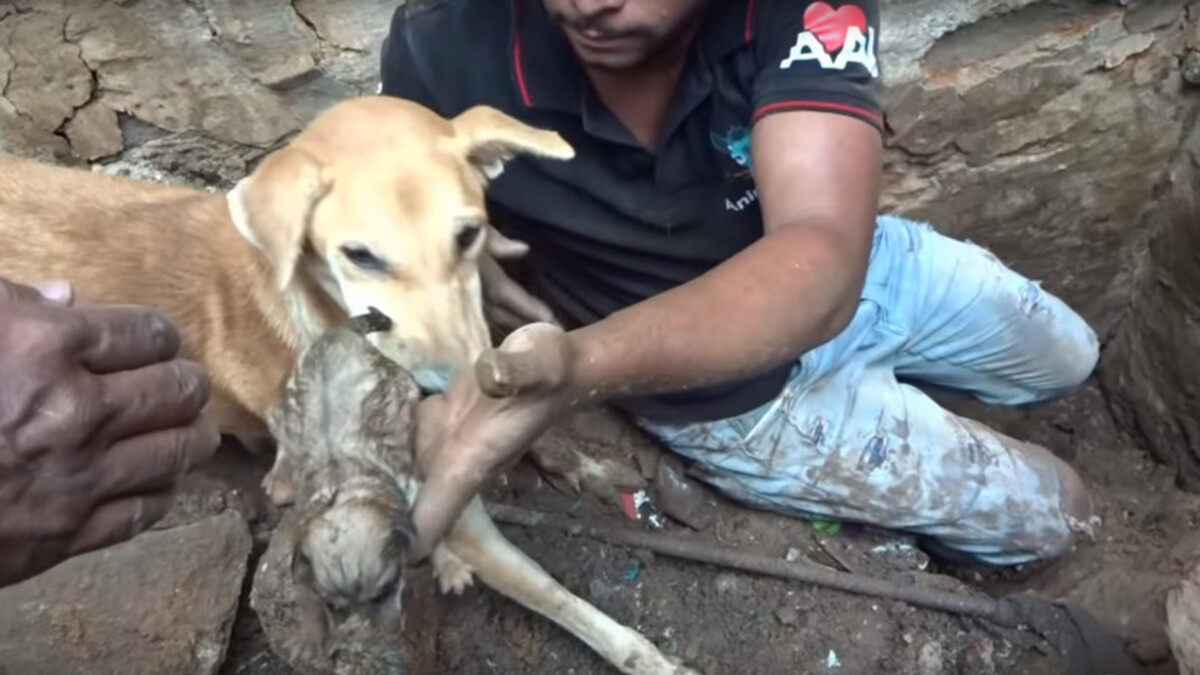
[[379, 202]]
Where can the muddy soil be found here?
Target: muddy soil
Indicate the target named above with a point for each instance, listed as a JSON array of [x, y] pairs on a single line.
[[726, 622]]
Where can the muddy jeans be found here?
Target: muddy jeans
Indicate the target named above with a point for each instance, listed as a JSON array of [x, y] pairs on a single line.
[[845, 439]]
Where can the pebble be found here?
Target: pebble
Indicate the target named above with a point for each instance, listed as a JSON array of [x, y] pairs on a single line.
[[725, 582], [929, 659], [787, 615]]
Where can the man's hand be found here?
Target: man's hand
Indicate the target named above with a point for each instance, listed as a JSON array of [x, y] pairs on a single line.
[[97, 420], [486, 420], [507, 305]]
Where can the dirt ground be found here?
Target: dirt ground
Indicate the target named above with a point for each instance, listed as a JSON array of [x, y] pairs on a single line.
[[726, 622]]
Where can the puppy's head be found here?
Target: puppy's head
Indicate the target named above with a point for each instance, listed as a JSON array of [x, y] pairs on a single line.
[[352, 555], [380, 202]]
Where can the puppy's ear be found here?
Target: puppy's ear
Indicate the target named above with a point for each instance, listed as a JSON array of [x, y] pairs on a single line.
[[273, 207], [490, 138], [403, 534]]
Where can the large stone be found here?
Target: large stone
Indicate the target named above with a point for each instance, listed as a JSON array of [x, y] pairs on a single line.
[[1041, 132], [94, 132], [267, 37], [352, 33], [47, 79], [1149, 367], [162, 63], [161, 603]]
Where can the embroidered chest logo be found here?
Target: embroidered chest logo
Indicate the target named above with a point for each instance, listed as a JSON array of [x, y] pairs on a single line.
[[735, 144], [834, 38]]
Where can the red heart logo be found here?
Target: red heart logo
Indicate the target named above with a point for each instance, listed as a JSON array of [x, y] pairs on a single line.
[[830, 25]]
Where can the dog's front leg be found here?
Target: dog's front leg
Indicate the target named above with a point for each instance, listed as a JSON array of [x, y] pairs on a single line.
[[477, 542]]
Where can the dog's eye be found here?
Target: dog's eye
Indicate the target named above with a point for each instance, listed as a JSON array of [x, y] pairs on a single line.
[[363, 258], [467, 235]]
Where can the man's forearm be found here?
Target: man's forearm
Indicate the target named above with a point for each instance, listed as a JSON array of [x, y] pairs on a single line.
[[782, 296]]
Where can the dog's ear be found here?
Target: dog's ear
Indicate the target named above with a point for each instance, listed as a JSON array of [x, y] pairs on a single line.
[[273, 206], [490, 138]]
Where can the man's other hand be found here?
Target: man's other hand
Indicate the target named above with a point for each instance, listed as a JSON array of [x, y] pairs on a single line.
[[507, 305], [98, 418]]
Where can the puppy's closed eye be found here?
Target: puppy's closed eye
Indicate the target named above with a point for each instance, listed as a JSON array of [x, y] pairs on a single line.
[[386, 591]]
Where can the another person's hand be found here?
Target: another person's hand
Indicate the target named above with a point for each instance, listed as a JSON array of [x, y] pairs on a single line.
[[506, 304], [97, 420], [486, 420]]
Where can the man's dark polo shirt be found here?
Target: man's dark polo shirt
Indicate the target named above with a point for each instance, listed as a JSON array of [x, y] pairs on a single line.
[[619, 224]]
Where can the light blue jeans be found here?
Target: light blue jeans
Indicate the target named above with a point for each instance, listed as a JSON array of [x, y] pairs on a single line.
[[847, 440]]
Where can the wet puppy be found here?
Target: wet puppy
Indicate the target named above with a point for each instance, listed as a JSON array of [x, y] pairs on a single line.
[[329, 589], [343, 425]]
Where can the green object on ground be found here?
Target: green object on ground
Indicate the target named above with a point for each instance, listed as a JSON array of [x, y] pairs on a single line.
[[830, 527]]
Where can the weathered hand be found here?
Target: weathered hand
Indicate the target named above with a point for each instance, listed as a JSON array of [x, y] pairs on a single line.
[[485, 420], [507, 305], [97, 419]]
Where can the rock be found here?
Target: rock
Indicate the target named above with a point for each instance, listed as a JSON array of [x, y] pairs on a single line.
[[930, 660], [357, 25], [267, 37], [979, 656], [352, 33], [48, 80], [187, 158], [787, 615], [1158, 339], [1189, 68], [94, 132], [1183, 622], [728, 582], [161, 603], [1004, 130]]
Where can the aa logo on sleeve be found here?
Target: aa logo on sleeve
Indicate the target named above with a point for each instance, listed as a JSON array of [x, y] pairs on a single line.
[[834, 38]]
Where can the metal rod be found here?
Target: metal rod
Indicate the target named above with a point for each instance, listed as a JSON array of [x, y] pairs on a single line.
[[715, 554]]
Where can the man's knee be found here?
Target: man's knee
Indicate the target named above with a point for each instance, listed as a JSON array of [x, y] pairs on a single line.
[[1063, 354], [1076, 356]]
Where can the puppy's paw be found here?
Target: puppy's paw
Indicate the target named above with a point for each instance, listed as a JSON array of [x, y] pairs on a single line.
[[452, 572], [278, 490], [305, 647]]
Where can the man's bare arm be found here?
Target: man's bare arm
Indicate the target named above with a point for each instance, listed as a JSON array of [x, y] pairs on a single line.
[[818, 178]]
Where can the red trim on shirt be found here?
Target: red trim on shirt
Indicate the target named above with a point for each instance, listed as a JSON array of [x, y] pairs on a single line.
[[817, 105], [749, 21], [517, 64]]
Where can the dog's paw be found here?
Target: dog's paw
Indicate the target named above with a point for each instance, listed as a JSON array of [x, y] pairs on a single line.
[[681, 668], [453, 574], [572, 472]]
